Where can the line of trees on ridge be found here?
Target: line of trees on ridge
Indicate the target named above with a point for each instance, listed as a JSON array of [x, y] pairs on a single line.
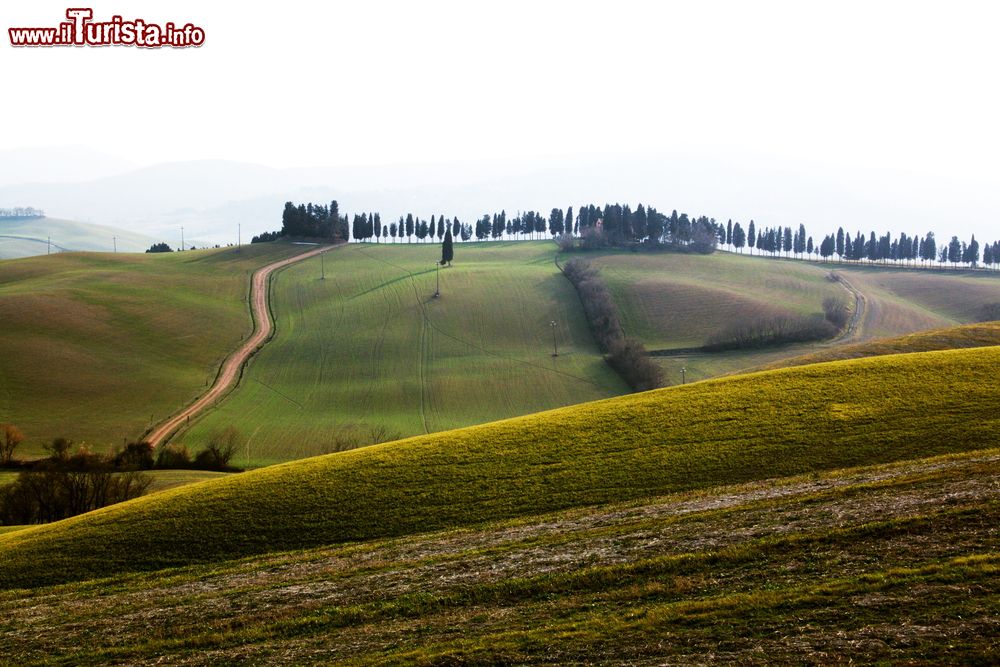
[[618, 225], [22, 212]]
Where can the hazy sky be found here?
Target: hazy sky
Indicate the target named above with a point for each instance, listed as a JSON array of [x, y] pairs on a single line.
[[907, 85]]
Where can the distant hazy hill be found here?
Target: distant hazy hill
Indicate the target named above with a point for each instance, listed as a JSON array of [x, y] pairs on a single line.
[[26, 237], [57, 164]]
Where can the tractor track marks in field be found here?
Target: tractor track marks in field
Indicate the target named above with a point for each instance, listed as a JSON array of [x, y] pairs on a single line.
[[423, 344], [458, 339]]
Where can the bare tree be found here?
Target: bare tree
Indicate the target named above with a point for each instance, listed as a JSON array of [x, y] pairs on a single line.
[[10, 438]]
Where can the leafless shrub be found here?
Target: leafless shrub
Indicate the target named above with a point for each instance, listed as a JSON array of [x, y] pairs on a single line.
[[836, 311], [773, 330]]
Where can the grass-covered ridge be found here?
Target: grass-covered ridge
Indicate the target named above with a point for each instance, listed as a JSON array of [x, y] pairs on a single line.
[[98, 346], [746, 428], [27, 237], [674, 302], [983, 334], [369, 348], [820, 568]]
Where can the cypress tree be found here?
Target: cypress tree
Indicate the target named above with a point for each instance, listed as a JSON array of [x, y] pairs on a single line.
[[447, 249]]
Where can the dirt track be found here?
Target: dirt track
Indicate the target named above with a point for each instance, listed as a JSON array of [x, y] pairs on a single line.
[[230, 372]]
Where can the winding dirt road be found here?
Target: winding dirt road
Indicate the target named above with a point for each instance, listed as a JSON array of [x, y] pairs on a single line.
[[232, 367], [853, 330]]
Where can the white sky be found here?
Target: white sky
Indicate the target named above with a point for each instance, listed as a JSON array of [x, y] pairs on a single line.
[[902, 85]]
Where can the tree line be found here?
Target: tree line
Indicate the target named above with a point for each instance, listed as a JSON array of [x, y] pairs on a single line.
[[312, 221], [626, 355], [22, 212], [612, 225], [620, 225]]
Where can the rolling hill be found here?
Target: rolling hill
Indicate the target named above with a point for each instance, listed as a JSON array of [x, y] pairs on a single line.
[[369, 354], [674, 302], [96, 346], [733, 430], [28, 237], [888, 564], [982, 334]]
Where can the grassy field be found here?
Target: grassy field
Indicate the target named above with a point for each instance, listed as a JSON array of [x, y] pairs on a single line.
[[369, 348], [906, 301], [27, 237], [674, 301], [95, 346], [983, 334], [895, 564], [771, 424]]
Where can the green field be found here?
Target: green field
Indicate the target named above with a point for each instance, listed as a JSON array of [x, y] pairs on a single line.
[[27, 237], [675, 301], [369, 348], [98, 346], [735, 430], [906, 301]]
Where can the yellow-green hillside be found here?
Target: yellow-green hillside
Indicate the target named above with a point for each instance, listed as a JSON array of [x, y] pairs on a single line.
[[984, 334], [887, 564], [758, 426]]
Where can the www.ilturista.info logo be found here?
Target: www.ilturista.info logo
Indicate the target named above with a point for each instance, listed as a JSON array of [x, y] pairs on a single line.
[[81, 30]]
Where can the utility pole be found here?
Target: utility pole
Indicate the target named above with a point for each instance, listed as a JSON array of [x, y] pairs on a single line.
[[182, 239], [555, 348], [322, 267], [239, 235], [437, 273], [48, 246], [115, 239]]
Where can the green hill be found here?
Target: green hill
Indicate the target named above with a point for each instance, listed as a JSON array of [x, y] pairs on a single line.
[[98, 345], [673, 302], [734, 430], [369, 349], [27, 237]]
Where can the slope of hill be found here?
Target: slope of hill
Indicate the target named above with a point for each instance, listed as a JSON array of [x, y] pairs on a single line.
[[906, 301], [368, 352], [984, 334], [893, 563], [733, 430], [98, 345], [674, 302], [28, 237]]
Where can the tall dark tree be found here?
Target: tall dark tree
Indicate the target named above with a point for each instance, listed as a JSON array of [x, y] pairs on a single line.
[[739, 237], [556, 222], [447, 249], [971, 254], [954, 250], [752, 236], [930, 248]]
